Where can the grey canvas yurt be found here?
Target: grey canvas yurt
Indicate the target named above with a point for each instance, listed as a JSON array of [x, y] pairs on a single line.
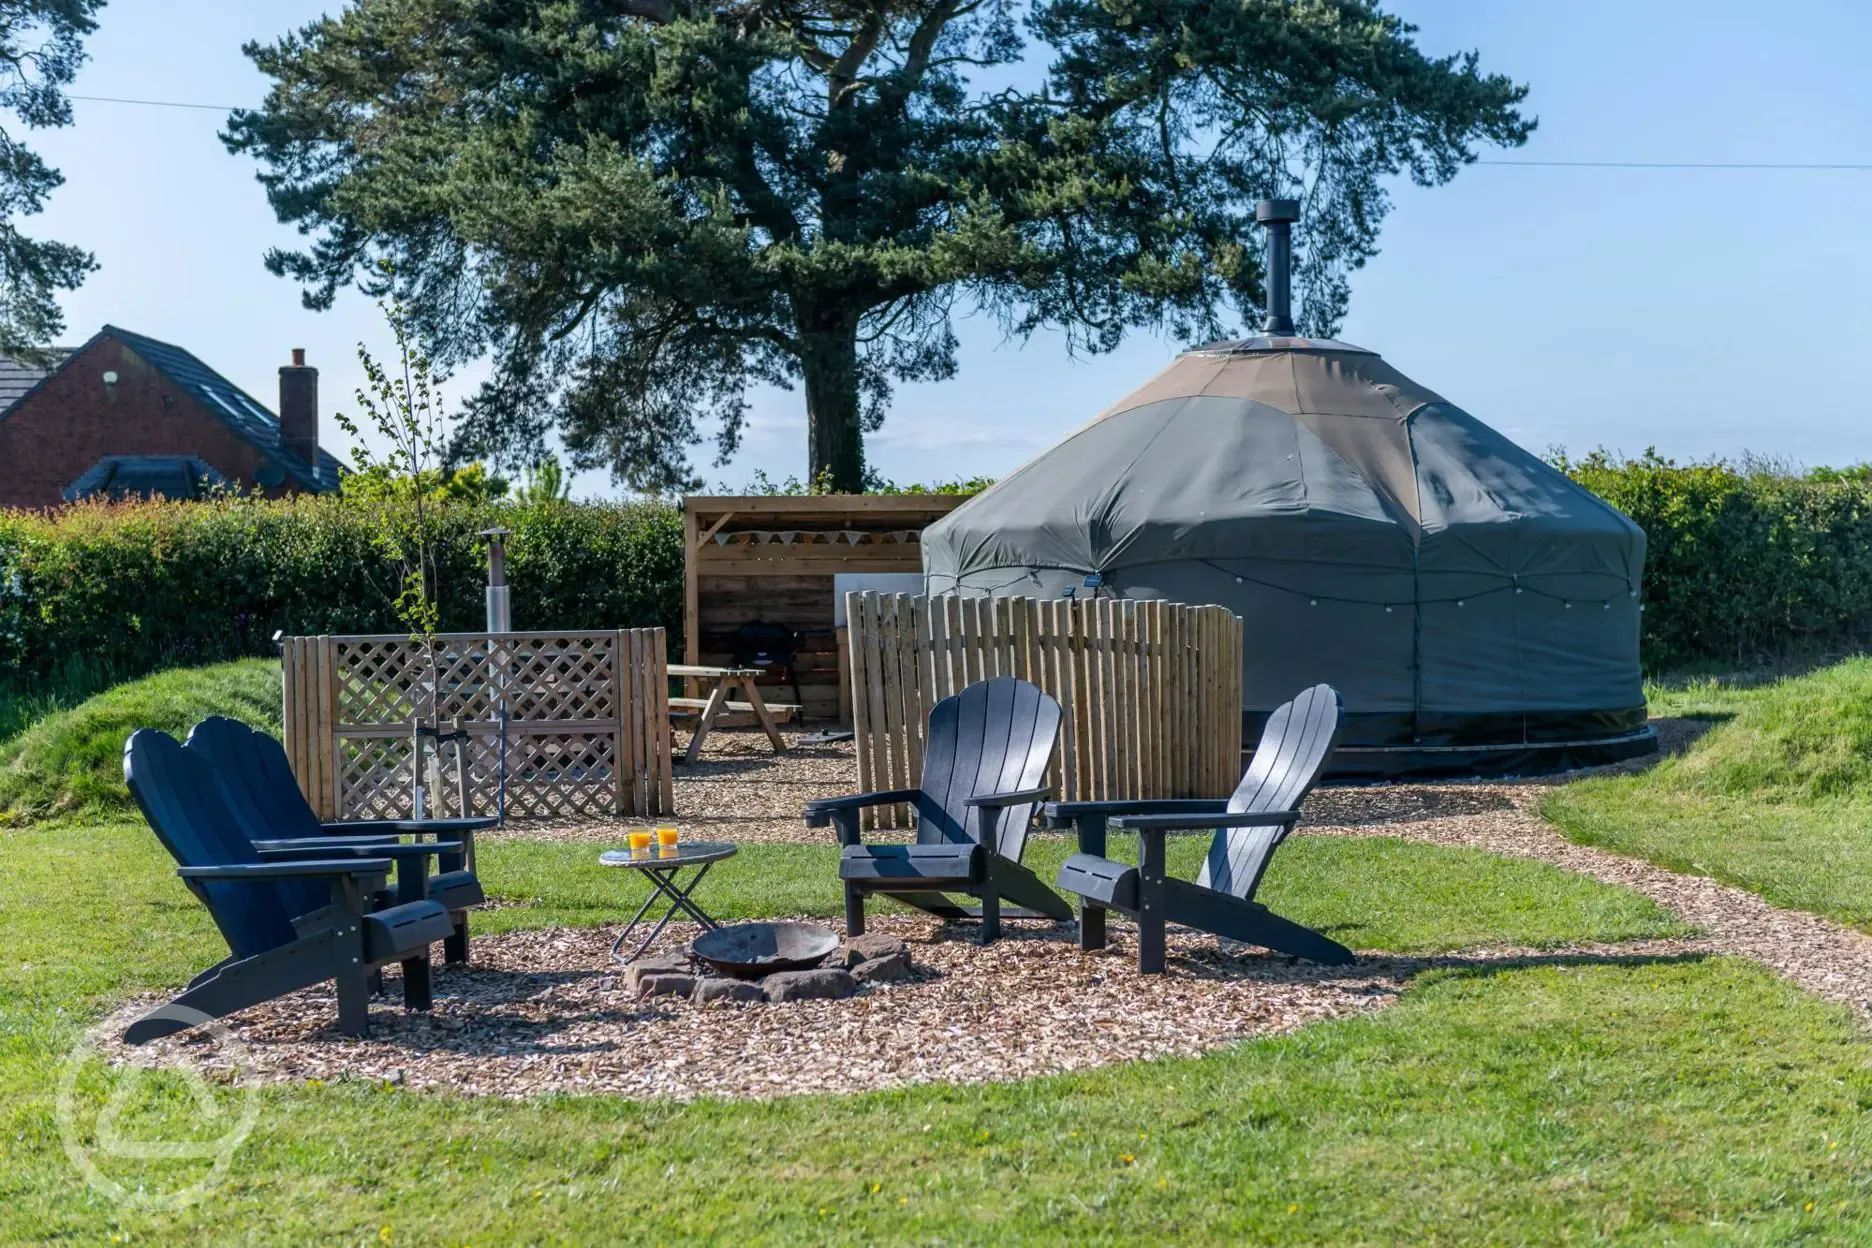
[[1477, 610]]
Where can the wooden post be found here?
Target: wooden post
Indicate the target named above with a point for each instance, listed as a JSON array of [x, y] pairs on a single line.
[[462, 805], [858, 652], [910, 619], [289, 708], [417, 803], [626, 696], [876, 659], [843, 641], [692, 597]]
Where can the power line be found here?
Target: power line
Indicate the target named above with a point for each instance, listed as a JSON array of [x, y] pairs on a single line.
[[1675, 164], [112, 99]]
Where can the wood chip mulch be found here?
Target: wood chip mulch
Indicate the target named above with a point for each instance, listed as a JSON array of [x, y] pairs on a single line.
[[547, 1011]]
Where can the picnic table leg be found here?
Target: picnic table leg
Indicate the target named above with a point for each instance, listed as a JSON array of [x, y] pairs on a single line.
[[761, 712], [717, 698]]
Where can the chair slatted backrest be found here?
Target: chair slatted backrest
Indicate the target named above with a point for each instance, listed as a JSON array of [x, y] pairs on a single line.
[[256, 778], [184, 808], [1294, 749], [996, 736], [241, 762]]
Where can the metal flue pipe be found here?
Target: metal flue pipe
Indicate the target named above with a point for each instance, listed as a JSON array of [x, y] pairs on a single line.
[[1278, 215], [499, 615]]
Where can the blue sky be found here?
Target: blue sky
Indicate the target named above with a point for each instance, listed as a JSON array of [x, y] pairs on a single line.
[[1705, 312]]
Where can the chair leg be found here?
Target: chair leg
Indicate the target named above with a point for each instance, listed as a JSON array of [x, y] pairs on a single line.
[[854, 911], [237, 984], [455, 946], [1150, 942], [1091, 926], [418, 982], [1019, 886], [1150, 919], [353, 1002], [1283, 935], [1249, 922], [990, 915]]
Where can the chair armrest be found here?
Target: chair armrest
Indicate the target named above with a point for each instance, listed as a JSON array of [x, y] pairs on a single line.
[[360, 867], [334, 846], [1015, 797], [411, 827], [381, 829], [1059, 814], [1203, 823], [820, 811]]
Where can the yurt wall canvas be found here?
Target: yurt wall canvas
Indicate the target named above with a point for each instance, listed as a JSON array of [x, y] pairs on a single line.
[[1477, 609]]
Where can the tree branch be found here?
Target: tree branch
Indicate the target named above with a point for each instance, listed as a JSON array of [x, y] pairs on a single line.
[[841, 79]]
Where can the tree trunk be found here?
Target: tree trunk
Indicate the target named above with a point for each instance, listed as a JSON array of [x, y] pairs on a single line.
[[829, 361]]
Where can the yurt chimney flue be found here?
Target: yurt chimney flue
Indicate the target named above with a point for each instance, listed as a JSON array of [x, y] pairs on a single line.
[[499, 615], [1278, 215], [499, 620]]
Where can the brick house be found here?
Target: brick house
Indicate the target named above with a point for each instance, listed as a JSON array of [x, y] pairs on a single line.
[[127, 416]]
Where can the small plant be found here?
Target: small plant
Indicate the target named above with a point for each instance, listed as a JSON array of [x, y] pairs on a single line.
[[406, 409]]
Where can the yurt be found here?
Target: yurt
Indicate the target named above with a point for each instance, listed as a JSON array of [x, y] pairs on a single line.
[[1477, 610]]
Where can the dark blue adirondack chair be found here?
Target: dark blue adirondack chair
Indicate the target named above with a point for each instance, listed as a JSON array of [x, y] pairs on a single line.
[[983, 760], [1295, 746], [273, 950], [259, 787]]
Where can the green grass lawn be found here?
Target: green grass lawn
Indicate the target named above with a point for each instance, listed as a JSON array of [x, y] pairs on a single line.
[[1640, 1100], [1368, 893], [1776, 797]]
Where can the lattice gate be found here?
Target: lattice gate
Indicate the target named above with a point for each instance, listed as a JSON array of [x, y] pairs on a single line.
[[559, 725]]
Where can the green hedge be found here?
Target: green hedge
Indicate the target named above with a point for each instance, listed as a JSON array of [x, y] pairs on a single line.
[[1743, 561], [137, 586]]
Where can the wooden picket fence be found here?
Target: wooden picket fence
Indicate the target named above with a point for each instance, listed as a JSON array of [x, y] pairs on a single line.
[[1152, 690], [586, 727]]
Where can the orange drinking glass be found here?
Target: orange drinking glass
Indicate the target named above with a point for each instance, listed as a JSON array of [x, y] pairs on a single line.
[[667, 837], [640, 840]]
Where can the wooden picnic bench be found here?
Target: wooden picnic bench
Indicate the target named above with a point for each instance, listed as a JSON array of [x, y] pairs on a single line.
[[709, 710]]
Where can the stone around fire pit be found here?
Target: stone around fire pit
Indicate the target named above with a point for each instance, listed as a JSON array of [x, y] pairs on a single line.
[[824, 984], [666, 984], [655, 964], [891, 968], [716, 988], [869, 947]]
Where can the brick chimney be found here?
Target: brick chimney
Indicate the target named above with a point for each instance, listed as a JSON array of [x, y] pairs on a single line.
[[298, 408]]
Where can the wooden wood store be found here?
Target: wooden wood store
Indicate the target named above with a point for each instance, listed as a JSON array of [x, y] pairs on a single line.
[[766, 577]]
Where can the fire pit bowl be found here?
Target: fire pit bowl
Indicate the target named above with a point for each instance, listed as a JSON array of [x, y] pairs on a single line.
[[751, 950]]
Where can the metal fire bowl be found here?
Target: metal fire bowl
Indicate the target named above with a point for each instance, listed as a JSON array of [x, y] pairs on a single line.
[[751, 950]]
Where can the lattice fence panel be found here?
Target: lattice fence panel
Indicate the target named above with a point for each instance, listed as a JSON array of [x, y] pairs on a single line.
[[586, 723]]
